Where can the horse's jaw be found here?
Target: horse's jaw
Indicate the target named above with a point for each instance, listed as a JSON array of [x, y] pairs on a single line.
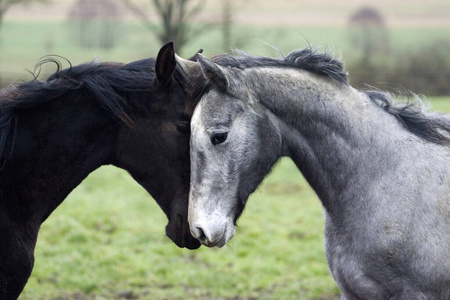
[[178, 231]]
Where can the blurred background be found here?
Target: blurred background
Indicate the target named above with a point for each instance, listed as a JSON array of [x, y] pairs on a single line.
[[106, 241], [383, 43]]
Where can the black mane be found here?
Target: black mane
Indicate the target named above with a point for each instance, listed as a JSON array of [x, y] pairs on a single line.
[[118, 88], [306, 59]]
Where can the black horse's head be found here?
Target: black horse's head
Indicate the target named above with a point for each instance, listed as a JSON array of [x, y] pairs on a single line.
[[155, 149], [54, 133], [134, 116]]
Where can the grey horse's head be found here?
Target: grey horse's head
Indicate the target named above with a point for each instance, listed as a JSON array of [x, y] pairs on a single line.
[[234, 143]]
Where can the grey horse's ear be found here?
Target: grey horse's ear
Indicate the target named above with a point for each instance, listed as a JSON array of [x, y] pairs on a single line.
[[190, 66], [213, 73], [194, 57]]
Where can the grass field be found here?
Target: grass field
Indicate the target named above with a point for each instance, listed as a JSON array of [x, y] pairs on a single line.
[[106, 241]]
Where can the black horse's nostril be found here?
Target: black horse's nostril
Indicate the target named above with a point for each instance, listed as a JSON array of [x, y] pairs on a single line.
[[200, 234]]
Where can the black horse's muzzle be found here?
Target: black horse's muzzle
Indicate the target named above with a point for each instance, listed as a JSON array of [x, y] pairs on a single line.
[[179, 232]]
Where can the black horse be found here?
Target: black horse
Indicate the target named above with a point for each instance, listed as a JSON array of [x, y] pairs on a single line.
[[54, 133]]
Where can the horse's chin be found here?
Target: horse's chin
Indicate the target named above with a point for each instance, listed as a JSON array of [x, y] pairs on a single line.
[[178, 231], [191, 244]]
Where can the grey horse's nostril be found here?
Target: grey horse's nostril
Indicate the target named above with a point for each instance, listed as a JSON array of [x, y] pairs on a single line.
[[200, 234]]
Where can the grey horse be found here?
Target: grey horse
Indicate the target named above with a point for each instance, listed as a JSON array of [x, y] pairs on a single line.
[[380, 168]]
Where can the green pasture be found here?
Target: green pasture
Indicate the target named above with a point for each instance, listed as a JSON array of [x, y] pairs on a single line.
[[439, 104], [106, 241]]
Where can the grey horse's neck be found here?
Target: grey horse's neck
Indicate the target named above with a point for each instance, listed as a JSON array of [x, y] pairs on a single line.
[[335, 134]]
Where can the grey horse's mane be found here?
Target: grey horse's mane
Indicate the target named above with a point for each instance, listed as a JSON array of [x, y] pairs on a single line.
[[413, 116], [307, 59], [432, 127]]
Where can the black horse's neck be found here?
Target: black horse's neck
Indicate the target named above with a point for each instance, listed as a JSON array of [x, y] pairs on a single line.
[[55, 147]]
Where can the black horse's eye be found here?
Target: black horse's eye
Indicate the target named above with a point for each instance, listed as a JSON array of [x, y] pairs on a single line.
[[219, 138], [183, 128]]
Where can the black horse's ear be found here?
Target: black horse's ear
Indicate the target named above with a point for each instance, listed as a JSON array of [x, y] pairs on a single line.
[[194, 57], [213, 73], [165, 63]]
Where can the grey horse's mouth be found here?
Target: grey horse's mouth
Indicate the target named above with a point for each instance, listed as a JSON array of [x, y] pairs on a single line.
[[220, 243], [217, 239]]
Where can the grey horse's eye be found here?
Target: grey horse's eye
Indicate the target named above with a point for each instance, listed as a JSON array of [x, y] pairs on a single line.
[[219, 138]]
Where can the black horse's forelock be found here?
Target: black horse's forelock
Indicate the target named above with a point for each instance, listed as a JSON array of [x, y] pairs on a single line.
[[307, 59], [115, 86], [414, 117]]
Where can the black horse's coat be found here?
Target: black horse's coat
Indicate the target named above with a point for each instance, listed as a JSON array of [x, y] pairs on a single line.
[[53, 133]]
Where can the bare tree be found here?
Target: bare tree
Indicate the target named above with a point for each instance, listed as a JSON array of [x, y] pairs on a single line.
[[226, 23], [369, 33], [174, 15], [6, 4], [95, 23]]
